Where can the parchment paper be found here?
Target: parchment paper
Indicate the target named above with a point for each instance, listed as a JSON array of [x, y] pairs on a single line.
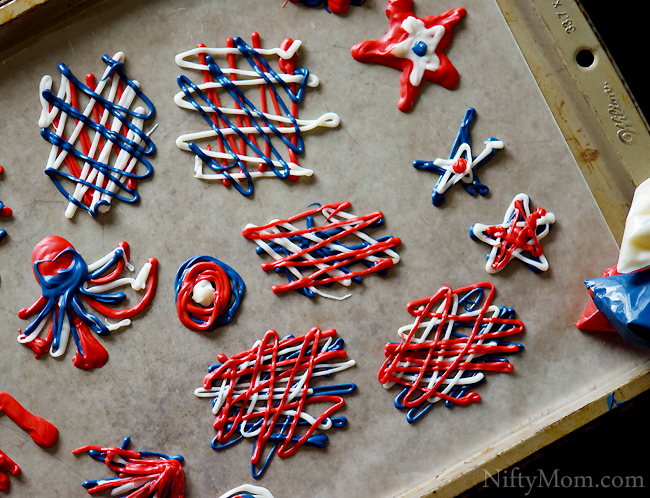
[[146, 389]]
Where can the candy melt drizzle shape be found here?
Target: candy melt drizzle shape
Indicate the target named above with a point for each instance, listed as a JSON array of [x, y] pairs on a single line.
[[66, 283], [414, 46], [103, 147], [517, 237], [41, 431], [336, 6], [263, 393], [208, 293], [461, 166], [245, 134], [141, 474], [323, 249], [459, 332]]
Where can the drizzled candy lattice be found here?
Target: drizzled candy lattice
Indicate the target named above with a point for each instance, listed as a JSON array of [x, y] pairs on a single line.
[[247, 491], [442, 355], [264, 393], [141, 474], [323, 254], [462, 166], [67, 282], [244, 141], [100, 151], [517, 237]]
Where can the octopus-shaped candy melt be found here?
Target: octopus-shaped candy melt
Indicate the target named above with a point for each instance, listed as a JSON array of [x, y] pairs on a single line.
[[66, 283]]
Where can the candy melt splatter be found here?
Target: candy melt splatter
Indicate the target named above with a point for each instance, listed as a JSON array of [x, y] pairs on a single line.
[[66, 283], [320, 254], [247, 135], [101, 149], [414, 46], [247, 491], [517, 237], [263, 393], [444, 353], [336, 6], [208, 293], [461, 166], [41, 431], [141, 474]]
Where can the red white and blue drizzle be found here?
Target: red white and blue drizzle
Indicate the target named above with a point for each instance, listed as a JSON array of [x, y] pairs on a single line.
[[517, 237], [103, 148], [322, 254], [247, 137], [462, 166], [414, 46], [67, 282]]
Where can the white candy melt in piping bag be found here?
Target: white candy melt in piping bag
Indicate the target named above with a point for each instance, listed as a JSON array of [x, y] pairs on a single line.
[[635, 247]]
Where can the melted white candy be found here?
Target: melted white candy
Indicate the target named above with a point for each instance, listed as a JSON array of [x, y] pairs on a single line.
[[258, 401], [246, 77], [417, 32], [203, 293], [255, 491], [635, 246]]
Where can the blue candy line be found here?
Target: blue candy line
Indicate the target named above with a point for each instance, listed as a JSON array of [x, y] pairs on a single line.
[[254, 59], [132, 148]]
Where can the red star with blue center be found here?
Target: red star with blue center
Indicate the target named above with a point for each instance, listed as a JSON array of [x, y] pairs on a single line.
[[414, 46]]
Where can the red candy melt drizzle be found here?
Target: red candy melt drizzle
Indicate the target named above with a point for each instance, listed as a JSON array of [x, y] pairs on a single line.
[[301, 259], [41, 431], [514, 237], [420, 358]]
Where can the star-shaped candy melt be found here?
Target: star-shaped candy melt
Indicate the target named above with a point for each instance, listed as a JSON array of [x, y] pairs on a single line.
[[414, 46]]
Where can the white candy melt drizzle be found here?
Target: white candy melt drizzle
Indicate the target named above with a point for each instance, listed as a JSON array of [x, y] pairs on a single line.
[[255, 491], [635, 246], [245, 78], [417, 32], [450, 178]]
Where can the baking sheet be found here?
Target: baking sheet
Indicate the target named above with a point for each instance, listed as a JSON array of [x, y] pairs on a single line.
[[146, 389]]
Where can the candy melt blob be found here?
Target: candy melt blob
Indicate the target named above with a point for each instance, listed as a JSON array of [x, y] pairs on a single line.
[[264, 393], [248, 136], [324, 250], [247, 491], [104, 141], [454, 339], [462, 166], [41, 431], [517, 237], [141, 474], [414, 46], [336, 6], [208, 293], [67, 282]]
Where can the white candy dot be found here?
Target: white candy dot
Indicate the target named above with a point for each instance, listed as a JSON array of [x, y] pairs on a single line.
[[203, 293]]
